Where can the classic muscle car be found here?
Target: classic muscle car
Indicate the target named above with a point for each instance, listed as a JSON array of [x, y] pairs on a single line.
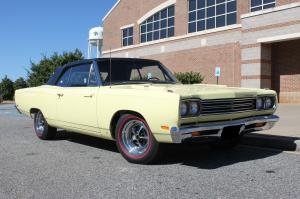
[[139, 103]]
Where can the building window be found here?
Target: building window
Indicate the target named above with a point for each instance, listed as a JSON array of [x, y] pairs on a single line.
[[262, 4], [208, 14], [127, 36], [159, 25]]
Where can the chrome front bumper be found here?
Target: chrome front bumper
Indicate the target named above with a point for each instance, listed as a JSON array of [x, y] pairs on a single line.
[[215, 129]]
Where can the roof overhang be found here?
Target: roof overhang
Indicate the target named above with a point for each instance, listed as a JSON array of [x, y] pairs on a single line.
[[110, 11], [279, 38]]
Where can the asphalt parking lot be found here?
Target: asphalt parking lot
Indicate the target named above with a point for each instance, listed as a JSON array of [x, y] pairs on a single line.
[[76, 166]]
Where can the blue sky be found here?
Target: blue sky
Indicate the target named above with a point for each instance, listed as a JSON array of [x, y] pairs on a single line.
[[31, 28]]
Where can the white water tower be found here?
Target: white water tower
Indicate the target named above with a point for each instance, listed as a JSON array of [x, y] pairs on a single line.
[[95, 42]]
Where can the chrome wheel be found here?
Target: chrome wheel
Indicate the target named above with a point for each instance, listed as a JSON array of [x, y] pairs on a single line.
[[40, 123], [135, 137], [41, 127], [135, 140]]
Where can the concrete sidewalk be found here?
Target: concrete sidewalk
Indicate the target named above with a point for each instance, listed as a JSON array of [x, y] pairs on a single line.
[[284, 136], [7, 102]]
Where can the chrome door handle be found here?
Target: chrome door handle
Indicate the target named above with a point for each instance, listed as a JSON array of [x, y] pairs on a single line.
[[60, 94], [90, 96]]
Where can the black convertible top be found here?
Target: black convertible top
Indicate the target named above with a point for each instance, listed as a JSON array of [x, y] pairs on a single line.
[[59, 70]]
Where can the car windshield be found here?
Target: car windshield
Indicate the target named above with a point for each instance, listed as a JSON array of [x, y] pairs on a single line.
[[134, 72]]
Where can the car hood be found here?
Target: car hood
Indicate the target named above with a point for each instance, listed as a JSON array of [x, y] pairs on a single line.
[[202, 91]]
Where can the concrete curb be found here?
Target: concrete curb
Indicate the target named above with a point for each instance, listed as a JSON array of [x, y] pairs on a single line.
[[272, 141], [297, 142], [7, 102]]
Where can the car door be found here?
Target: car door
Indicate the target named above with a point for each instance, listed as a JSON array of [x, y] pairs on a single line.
[[77, 103]]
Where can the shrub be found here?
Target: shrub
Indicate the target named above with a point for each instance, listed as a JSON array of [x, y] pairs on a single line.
[[40, 72], [189, 77], [20, 83], [7, 88]]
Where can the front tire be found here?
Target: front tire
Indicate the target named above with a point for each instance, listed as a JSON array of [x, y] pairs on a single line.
[[135, 140], [41, 127]]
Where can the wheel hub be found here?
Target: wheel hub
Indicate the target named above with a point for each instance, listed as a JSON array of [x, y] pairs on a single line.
[[40, 123], [135, 136]]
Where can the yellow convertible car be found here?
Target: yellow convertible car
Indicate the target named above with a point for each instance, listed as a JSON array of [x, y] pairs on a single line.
[[139, 103]]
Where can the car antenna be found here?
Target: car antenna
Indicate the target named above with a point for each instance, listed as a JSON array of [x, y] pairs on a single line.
[[109, 67]]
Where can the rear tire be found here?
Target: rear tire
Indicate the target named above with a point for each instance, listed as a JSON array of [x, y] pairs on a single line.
[[42, 129], [135, 140]]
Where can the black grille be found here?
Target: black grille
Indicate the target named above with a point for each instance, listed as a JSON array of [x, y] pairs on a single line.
[[220, 106]]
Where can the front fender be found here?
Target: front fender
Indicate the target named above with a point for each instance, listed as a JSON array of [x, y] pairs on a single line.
[[158, 109]]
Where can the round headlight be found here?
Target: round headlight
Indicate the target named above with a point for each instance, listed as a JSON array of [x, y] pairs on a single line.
[[259, 103], [183, 108], [268, 103], [194, 108]]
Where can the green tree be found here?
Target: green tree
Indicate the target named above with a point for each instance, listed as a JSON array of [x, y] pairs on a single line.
[[7, 88], [40, 72], [20, 83]]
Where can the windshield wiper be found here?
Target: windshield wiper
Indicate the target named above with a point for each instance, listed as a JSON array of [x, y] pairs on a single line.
[[139, 82], [163, 82], [125, 82]]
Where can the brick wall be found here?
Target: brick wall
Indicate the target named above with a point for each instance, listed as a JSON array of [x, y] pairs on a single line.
[[204, 60], [244, 61], [181, 17], [284, 2], [243, 7], [129, 11], [286, 70], [200, 53], [256, 56]]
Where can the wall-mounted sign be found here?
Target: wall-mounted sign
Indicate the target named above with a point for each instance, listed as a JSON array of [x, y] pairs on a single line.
[[218, 71]]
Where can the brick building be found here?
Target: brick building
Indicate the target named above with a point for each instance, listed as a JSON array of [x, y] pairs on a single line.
[[255, 42]]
